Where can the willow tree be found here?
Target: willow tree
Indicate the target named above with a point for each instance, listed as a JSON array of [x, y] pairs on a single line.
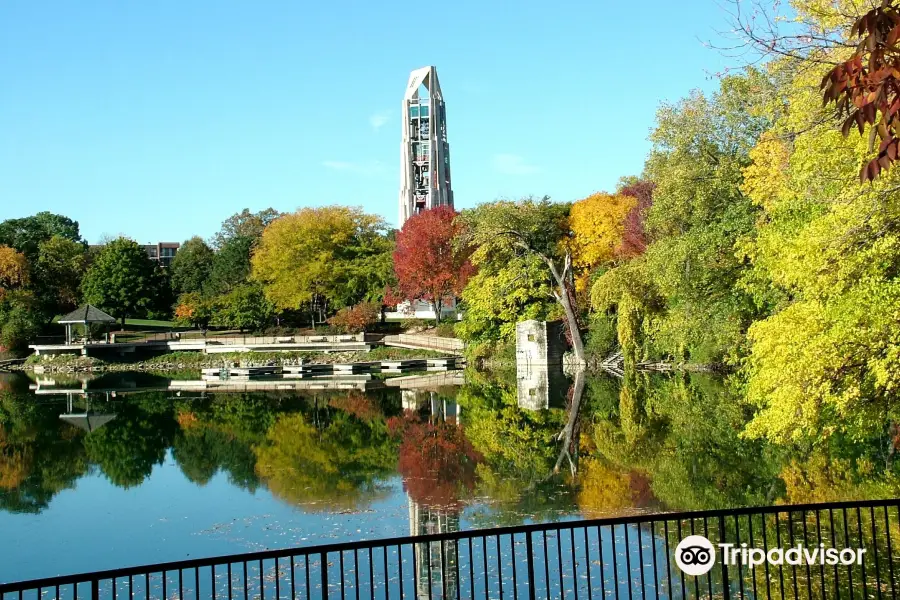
[[507, 230]]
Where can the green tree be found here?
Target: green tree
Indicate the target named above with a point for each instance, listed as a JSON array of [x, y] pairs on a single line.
[[21, 320], [123, 281], [127, 448], [245, 308], [61, 264], [505, 230], [27, 234], [244, 224], [681, 299], [191, 266], [230, 265]]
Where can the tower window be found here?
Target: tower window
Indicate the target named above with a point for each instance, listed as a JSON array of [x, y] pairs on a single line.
[[414, 111]]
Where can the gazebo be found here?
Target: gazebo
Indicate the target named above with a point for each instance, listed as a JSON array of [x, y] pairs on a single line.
[[85, 315]]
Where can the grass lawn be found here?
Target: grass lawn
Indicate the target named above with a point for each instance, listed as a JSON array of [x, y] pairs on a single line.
[[149, 323]]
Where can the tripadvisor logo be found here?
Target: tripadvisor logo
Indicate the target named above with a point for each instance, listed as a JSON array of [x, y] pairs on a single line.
[[696, 555]]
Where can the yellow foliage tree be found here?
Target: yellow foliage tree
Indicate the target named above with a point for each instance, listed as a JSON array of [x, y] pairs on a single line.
[[322, 257], [597, 223], [13, 269]]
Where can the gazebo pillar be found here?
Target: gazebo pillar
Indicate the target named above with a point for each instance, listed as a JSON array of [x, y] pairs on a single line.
[[68, 334]]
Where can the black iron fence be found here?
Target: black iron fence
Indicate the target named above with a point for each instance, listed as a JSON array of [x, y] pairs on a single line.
[[627, 557]]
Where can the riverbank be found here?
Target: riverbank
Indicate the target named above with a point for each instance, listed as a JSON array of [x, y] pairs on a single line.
[[179, 361]]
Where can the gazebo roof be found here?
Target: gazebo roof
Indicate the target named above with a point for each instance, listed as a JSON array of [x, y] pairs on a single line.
[[87, 314], [88, 422]]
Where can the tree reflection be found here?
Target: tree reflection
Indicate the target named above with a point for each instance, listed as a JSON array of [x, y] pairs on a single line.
[[325, 460], [39, 455], [127, 448]]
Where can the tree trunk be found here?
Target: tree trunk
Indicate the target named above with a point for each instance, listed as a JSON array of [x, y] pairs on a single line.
[[562, 296], [568, 432], [437, 304]]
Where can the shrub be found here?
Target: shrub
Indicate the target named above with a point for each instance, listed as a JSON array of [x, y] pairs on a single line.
[[356, 319]]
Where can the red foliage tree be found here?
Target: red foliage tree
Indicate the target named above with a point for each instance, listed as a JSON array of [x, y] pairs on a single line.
[[427, 263], [865, 88], [634, 234], [436, 460]]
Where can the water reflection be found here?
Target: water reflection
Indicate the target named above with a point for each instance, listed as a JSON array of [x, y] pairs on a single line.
[[428, 454]]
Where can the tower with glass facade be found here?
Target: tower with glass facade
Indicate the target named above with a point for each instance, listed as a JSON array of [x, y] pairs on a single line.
[[424, 151]]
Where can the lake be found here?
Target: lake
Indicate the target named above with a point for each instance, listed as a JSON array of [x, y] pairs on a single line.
[[128, 469]]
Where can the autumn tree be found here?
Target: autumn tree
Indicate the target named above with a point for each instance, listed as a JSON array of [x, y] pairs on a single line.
[[598, 225], [309, 258], [506, 230], [193, 310], [355, 319], [634, 230], [865, 88], [428, 262], [13, 269]]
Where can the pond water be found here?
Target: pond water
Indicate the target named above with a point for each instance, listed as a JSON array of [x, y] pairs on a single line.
[[130, 469]]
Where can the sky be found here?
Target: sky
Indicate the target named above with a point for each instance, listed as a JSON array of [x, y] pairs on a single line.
[[158, 120]]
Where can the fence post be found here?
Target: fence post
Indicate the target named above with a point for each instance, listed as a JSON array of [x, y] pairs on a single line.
[[530, 550], [726, 586], [324, 561], [95, 589]]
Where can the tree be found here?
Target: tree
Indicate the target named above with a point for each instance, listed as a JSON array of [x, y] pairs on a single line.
[[598, 226], [13, 270], [61, 264], [823, 261], [230, 265], [308, 258], [20, 319], [505, 229], [244, 224], [865, 88], [681, 299], [355, 319], [123, 280], [244, 307], [192, 309], [634, 234], [191, 266], [502, 293], [428, 263], [26, 234]]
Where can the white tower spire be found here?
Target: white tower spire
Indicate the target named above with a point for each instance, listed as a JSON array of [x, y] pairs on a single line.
[[424, 151]]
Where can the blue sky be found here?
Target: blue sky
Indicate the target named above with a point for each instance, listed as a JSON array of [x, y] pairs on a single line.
[[159, 119]]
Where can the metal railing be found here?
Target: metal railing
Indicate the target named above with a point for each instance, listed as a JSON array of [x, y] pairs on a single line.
[[626, 557]]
